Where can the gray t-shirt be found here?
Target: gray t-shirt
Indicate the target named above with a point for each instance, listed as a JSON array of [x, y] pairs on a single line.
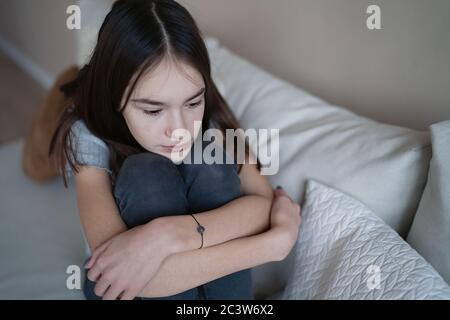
[[89, 149]]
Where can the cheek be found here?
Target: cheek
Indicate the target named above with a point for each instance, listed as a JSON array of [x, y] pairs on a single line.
[[150, 132], [143, 130], [196, 116]]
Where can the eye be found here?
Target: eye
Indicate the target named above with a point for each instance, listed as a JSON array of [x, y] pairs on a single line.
[[194, 105], [153, 113]]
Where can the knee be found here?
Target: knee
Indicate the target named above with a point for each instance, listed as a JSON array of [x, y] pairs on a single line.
[[213, 186], [142, 171], [147, 164], [214, 175], [219, 170], [149, 186], [220, 174]]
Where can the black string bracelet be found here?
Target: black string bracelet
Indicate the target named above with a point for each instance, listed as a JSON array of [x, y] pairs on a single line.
[[200, 229]]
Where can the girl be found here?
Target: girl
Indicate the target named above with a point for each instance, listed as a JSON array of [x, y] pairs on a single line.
[[156, 228]]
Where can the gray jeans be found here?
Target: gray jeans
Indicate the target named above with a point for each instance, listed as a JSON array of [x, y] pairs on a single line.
[[149, 185]]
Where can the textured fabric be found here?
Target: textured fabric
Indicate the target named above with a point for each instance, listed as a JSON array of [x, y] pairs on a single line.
[[345, 251], [90, 150], [430, 232]]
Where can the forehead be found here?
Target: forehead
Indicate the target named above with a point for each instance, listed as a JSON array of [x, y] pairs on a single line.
[[169, 81]]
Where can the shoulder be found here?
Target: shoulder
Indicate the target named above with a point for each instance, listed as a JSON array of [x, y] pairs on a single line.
[[88, 149], [81, 133]]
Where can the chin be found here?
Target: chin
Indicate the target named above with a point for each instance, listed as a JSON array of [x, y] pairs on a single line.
[[176, 158]]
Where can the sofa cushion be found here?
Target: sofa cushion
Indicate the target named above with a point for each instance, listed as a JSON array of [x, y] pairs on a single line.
[[345, 251], [430, 232]]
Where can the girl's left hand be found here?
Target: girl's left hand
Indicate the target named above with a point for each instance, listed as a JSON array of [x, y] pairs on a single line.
[[123, 265]]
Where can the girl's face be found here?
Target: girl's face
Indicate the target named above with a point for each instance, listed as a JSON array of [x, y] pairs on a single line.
[[168, 98]]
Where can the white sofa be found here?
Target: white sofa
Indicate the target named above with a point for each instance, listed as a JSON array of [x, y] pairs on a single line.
[[383, 167]]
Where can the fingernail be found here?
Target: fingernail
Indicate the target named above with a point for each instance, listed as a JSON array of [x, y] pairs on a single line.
[[279, 187]]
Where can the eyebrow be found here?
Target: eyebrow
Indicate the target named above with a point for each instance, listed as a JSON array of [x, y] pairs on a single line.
[[159, 103]]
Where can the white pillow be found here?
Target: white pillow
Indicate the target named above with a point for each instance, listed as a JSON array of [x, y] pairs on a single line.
[[343, 248], [383, 166], [430, 232]]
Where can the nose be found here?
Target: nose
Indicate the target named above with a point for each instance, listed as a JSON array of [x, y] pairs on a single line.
[[175, 121]]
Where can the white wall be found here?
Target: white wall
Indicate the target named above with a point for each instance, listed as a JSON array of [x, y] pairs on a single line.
[[398, 75], [35, 32]]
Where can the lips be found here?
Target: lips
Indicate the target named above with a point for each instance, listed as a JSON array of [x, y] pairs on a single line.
[[174, 147]]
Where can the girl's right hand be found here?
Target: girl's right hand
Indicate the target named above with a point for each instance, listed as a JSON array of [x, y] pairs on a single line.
[[285, 222], [123, 265]]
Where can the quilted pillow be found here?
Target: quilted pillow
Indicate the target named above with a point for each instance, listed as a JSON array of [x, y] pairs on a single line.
[[345, 251]]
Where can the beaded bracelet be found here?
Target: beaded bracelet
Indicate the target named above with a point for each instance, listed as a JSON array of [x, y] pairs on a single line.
[[200, 229]]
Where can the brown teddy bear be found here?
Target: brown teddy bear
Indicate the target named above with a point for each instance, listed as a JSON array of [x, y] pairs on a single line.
[[36, 163]]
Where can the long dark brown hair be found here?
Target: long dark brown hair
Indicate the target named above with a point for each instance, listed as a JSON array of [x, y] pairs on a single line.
[[134, 38]]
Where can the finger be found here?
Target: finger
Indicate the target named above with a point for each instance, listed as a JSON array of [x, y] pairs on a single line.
[[93, 274], [134, 290], [282, 193], [96, 271], [112, 293], [298, 208], [101, 286], [97, 253], [129, 295]]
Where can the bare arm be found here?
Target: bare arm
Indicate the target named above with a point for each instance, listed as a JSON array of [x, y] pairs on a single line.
[[186, 270], [93, 187], [97, 208], [245, 216]]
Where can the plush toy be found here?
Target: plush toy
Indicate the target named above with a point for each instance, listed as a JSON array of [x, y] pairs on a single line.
[[36, 163]]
